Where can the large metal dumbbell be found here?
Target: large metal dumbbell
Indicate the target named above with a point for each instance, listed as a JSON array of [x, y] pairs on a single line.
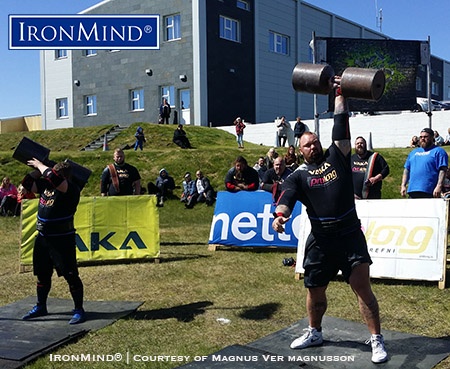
[[356, 83]]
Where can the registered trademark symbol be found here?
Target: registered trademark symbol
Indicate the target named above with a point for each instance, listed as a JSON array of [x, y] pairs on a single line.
[[148, 29]]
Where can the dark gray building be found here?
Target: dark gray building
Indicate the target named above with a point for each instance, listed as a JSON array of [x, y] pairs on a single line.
[[218, 59]]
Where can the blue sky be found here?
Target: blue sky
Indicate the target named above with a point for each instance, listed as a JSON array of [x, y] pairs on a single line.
[[401, 19]]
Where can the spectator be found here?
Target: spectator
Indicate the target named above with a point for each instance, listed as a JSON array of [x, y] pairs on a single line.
[[369, 169], [140, 139], [164, 112], [241, 177], [425, 169], [180, 138], [414, 142], [438, 139], [8, 197], [275, 176], [120, 178], [299, 129], [205, 192], [447, 138], [189, 191], [163, 188], [291, 158], [270, 157], [282, 130], [260, 167], [239, 126], [446, 185], [323, 184]]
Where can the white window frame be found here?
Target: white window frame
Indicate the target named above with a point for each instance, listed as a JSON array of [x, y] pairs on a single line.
[[137, 99], [90, 102], [90, 52], [62, 108], [173, 27], [168, 92], [278, 43], [229, 29], [61, 54], [242, 4]]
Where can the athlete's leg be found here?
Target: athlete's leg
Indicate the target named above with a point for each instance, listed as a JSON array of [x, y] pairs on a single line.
[[368, 304], [316, 305]]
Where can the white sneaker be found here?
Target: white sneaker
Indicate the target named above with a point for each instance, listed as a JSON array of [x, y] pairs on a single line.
[[379, 353], [312, 337]]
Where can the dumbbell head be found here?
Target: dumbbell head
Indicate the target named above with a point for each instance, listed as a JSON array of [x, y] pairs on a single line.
[[362, 83], [313, 78]]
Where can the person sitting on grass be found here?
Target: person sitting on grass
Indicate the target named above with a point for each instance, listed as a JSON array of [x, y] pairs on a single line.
[[163, 188], [180, 138]]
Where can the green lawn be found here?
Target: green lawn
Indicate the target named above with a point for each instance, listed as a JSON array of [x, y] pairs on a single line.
[[191, 287]]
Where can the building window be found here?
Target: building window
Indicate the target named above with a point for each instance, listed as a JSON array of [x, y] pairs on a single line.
[[434, 88], [90, 105], [241, 4], [418, 84], [137, 99], [60, 54], [278, 43], [173, 28], [62, 109], [230, 29], [168, 92], [90, 52]]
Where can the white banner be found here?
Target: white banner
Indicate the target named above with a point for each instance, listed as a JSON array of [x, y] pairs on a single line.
[[406, 238]]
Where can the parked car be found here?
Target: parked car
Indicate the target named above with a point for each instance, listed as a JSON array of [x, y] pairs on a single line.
[[422, 104], [444, 105]]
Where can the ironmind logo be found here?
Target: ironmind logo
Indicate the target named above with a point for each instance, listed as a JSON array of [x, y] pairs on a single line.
[[83, 32]]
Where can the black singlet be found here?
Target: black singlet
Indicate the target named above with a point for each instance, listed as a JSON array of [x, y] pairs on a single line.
[[325, 189]]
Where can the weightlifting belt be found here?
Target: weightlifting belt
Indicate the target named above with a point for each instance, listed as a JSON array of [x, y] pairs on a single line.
[[337, 226], [55, 228]]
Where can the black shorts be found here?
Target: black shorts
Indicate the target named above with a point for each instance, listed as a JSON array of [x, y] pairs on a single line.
[[326, 256], [58, 252]]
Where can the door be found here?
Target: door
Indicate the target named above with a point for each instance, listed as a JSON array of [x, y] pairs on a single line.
[[185, 106]]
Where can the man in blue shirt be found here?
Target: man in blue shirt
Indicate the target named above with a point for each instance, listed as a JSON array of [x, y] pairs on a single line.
[[425, 168]]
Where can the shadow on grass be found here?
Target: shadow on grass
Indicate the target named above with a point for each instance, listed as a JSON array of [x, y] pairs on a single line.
[[256, 249], [179, 243], [183, 313], [187, 313], [261, 312], [172, 259]]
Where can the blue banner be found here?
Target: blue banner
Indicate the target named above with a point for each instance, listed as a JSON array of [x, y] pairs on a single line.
[[108, 32], [245, 219]]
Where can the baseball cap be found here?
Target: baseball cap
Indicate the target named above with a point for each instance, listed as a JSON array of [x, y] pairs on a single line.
[[429, 131]]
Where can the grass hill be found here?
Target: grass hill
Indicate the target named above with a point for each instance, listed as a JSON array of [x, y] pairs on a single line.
[[214, 153]]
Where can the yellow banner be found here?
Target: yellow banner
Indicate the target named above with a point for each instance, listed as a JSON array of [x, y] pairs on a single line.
[[108, 228]]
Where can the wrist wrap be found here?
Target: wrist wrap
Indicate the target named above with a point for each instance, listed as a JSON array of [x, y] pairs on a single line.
[[54, 178]]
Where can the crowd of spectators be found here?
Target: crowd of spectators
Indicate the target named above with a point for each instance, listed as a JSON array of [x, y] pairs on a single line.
[[268, 173]]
